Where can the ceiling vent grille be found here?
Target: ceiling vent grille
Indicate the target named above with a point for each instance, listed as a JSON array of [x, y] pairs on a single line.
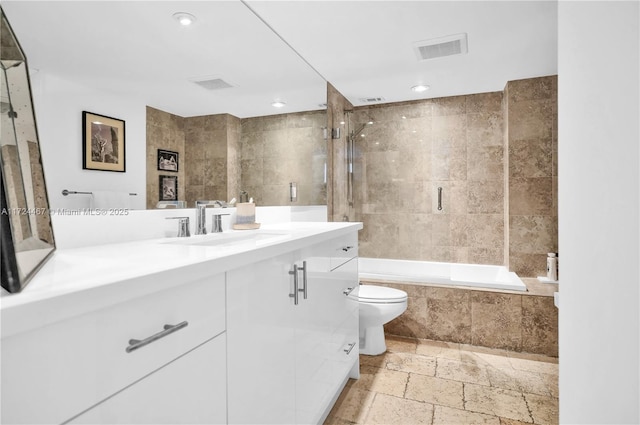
[[439, 47], [371, 99], [213, 83]]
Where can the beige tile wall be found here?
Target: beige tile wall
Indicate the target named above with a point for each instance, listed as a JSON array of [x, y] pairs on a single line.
[[277, 150], [533, 173], [206, 158], [493, 154], [220, 155], [410, 151], [164, 131], [510, 321]]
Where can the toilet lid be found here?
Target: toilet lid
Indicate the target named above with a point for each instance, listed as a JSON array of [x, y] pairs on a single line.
[[372, 293]]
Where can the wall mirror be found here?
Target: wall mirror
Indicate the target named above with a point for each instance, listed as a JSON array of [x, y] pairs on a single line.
[[27, 236]]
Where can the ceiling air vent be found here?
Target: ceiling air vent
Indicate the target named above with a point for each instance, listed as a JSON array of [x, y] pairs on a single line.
[[212, 83], [439, 47], [371, 99]]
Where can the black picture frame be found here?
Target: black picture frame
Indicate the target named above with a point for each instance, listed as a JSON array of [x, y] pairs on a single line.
[[168, 188], [103, 143], [168, 160]]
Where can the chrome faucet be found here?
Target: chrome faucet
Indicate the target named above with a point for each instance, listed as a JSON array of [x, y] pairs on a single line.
[[201, 218]]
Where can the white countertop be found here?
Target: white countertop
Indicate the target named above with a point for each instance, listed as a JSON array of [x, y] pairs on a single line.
[[80, 280]]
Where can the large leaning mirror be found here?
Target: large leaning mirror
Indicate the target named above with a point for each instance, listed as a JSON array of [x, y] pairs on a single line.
[[26, 237]]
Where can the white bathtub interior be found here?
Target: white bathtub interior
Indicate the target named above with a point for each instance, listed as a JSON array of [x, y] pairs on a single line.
[[474, 275]]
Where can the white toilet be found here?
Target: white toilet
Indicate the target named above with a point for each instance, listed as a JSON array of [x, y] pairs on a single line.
[[378, 305]]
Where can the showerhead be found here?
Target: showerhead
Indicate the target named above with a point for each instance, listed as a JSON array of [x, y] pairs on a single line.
[[355, 133]]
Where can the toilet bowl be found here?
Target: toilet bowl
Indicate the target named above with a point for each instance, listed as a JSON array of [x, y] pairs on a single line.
[[378, 305]]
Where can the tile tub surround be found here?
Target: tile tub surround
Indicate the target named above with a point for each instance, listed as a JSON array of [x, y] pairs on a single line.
[[420, 381], [495, 156], [519, 322]]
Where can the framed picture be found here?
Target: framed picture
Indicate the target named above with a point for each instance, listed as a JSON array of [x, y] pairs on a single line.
[[103, 143], [168, 188], [167, 160]]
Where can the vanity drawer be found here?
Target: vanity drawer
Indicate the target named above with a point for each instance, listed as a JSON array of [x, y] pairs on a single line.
[[76, 363], [343, 249]]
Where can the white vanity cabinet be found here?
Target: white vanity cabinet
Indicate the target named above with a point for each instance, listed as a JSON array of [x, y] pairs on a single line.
[[53, 373], [288, 356], [190, 390]]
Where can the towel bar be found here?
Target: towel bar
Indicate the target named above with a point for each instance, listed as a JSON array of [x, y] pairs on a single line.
[[71, 192]]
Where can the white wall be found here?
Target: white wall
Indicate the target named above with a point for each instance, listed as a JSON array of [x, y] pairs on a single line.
[[599, 196], [58, 105]]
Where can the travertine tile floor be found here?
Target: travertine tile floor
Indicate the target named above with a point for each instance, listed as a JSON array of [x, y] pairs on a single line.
[[431, 382]]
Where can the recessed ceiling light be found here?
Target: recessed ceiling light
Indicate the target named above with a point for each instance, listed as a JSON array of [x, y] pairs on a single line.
[[184, 18], [420, 88], [278, 104]]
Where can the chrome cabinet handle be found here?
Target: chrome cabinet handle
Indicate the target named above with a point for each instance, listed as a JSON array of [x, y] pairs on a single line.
[[134, 344], [294, 272], [304, 279], [348, 290], [348, 350], [347, 248], [439, 199]]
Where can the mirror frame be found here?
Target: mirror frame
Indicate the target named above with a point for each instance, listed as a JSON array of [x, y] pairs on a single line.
[[14, 275]]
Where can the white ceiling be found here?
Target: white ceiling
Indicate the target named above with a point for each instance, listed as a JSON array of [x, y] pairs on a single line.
[[364, 48]]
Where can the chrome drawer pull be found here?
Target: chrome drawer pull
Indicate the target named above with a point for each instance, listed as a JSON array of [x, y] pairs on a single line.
[[134, 344], [348, 290], [348, 350], [294, 272], [347, 248], [304, 279]]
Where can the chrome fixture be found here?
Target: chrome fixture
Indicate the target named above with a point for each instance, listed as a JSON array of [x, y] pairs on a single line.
[[73, 192], [134, 344], [216, 227], [439, 199], [296, 288], [351, 153], [183, 226], [201, 219], [293, 192]]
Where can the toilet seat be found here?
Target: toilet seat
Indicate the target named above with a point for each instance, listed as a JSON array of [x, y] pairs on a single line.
[[372, 294]]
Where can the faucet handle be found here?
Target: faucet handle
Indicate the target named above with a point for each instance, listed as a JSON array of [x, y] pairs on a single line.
[[183, 226], [216, 227]]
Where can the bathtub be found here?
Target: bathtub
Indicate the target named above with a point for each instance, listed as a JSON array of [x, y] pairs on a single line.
[[474, 275]]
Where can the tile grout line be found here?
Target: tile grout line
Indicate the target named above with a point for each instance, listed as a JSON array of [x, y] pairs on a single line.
[[464, 397], [406, 386], [528, 408]]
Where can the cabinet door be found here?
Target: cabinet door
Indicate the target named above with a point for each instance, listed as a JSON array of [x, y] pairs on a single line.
[[261, 340], [189, 390], [76, 363], [326, 332], [345, 341], [314, 326]]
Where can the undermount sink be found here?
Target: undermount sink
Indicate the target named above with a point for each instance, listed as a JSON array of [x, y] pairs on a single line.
[[230, 238]]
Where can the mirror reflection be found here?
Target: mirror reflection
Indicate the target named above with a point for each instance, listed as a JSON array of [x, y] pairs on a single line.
[[27, 238], [222, 155]]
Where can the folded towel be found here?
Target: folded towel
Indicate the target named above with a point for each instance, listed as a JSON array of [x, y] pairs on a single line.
[[105, 199]]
